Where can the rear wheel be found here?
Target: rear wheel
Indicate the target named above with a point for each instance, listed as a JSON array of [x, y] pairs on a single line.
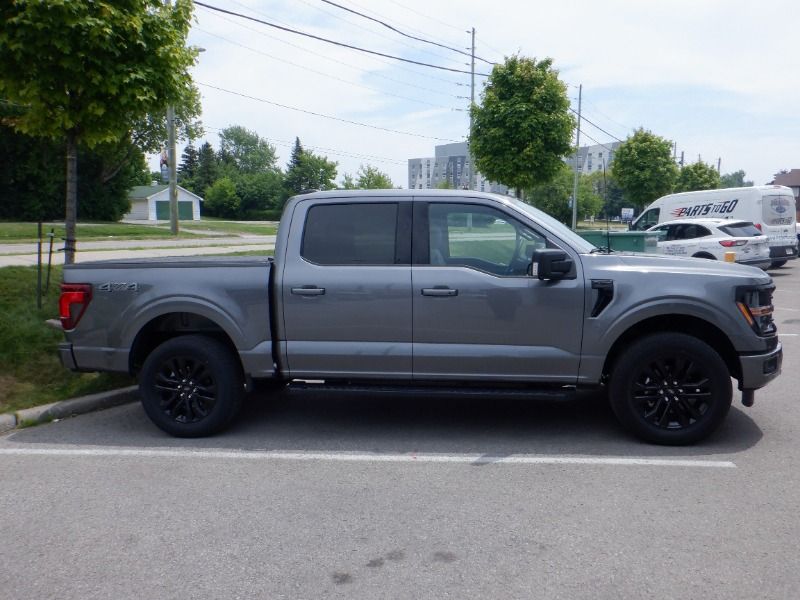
[[704, 255], [670, 388], [191, 386], [777, 264]]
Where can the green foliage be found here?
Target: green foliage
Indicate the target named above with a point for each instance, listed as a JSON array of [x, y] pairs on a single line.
[[372, 178], [553, 197], [32, 178], [735, 179], [113, 63], [348, 182], [91, 71], [246, 151], [258, 192], [307, 170], [30, 371], [644, 168], [523, 126], [207, 170], [187, 169], [222, 200], [444, 185], [698, 176]]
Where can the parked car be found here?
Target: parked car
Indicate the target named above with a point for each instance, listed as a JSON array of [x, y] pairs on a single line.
[[427, 290], [712, 238], [771, 208]]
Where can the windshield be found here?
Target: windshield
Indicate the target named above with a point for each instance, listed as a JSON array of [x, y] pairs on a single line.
[[561, 230]]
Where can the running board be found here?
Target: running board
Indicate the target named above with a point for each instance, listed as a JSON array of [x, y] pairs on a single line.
[[563, 393]]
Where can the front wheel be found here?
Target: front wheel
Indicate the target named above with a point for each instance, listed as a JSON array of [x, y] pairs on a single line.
[[191, 386], [671, 389]]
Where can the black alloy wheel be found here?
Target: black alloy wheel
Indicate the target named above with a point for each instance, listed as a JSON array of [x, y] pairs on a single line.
[[670, 388], [191, 386]]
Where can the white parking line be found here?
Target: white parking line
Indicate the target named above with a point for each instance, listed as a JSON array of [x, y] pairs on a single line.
[[370, 458]]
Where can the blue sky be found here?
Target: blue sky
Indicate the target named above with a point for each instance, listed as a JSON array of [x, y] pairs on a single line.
[[718, 77]]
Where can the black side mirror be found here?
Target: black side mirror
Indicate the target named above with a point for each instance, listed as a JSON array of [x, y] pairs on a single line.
[[551, 263]]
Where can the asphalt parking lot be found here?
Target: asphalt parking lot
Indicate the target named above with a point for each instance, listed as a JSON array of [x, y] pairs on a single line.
[[315, 495]]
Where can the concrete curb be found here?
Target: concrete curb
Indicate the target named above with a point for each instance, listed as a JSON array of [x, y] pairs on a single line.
[[68, 408]]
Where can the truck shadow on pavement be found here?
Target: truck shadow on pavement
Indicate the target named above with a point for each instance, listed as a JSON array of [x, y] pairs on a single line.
[[367, 422]]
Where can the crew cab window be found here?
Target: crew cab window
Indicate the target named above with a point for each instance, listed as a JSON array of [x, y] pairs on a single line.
[[351, 234], [480, 237]]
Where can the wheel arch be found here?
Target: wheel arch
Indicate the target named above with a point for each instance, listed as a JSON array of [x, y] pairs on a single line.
[[703, 254], [676, 323], [170, 325]]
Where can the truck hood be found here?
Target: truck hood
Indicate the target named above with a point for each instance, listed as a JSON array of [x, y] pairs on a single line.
[[671, 265]]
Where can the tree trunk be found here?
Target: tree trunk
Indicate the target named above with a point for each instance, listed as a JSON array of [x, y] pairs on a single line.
[[71, 212]]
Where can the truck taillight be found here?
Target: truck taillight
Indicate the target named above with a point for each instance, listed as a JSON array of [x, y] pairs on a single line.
[[75, 297]]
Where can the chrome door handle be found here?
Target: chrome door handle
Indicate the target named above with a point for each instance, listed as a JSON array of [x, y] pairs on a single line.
[[308, 290], [439, 291]]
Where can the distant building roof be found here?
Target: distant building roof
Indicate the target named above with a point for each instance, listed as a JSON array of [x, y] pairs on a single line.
[[145, 191], [790, 179]]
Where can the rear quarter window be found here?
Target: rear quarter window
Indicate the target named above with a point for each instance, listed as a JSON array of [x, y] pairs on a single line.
[[740, 230]]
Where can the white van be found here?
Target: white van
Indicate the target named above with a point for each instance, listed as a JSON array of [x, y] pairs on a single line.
[[771, 208]]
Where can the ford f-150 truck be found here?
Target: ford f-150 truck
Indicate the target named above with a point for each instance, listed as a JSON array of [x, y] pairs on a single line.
[[427, 289]]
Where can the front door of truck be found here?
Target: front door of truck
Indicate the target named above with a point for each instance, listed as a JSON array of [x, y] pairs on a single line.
[[346, 289], [478, 315]]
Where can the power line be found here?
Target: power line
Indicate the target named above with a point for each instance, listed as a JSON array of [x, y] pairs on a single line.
[[427, 16], [316, 114], [595, 141], [294, 64], [334, 42], [349, 66], [408, 35], [377, 33], [596, 126]]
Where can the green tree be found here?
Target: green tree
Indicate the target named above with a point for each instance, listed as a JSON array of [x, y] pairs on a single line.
[[735, 179], [246, 151], [644, 168], [523, 126], [554, 196], [207, 170], [32, 177], [372, 178], [307, 170], [187, 170], [697, 176], [222, 200], [258, 192], [89, 71], [444, 185], [348, 182]]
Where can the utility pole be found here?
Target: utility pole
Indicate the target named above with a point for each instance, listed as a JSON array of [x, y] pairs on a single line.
[[172, 158], [173, 173], [719, 164], [681, 159], [577, 155], [472, 172]]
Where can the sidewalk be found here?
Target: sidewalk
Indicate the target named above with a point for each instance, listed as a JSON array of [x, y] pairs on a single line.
[[23, 255]]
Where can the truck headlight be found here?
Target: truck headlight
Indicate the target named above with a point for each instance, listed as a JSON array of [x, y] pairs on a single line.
[[756, 307]]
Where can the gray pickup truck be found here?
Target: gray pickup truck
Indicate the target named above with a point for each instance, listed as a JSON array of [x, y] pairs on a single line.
[[429, 290]]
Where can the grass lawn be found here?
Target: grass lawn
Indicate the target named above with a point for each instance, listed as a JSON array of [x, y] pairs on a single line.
[[26, 232], [230, 227], [30, 372]]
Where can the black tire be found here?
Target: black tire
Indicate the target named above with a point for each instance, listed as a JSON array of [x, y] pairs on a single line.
[[191, 386], [704, 255], [777, 264], [692, 404]]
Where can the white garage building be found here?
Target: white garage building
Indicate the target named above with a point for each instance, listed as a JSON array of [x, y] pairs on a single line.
[[151, 203]]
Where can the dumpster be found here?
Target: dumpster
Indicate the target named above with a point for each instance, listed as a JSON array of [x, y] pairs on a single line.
[[624, 241]]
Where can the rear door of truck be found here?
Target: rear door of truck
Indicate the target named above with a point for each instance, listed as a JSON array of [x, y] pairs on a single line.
[[346, 288]]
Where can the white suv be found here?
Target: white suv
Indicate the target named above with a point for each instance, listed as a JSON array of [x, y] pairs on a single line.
[[712, 238]]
